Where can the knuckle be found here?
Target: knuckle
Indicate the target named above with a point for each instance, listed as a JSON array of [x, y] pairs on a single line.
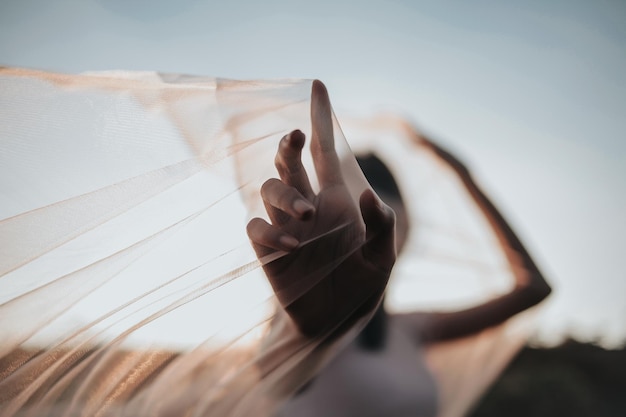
[[278, 161], [284, 199], [283, 171]]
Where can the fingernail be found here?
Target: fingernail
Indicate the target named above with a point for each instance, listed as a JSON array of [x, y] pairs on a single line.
[[303, 208], [296, 138], [288, 242]]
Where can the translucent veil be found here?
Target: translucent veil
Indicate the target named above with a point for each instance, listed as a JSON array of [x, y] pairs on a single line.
[[128, 285]]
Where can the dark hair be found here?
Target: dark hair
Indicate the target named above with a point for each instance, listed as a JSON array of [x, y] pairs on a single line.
[[373, 335], [379, 176]]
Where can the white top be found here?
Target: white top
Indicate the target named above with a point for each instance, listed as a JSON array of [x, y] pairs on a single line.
[[392, 382]]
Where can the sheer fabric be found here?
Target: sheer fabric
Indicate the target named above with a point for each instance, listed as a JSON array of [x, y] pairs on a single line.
[[128, 285]]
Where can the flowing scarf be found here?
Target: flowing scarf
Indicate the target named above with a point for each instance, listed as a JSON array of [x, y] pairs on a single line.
[[128, 285]]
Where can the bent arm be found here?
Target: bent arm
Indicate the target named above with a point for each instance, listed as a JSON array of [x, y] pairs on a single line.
[[530, 286]]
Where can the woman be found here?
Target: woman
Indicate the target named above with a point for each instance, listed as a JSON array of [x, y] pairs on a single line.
[[376, 373]]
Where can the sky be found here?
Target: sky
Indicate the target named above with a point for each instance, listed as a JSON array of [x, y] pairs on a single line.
[[532, 97]]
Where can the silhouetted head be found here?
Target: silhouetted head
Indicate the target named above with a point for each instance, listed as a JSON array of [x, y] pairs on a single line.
[[383, 182], [373, 336]]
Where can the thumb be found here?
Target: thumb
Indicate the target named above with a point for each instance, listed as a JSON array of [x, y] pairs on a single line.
[[380, 221]]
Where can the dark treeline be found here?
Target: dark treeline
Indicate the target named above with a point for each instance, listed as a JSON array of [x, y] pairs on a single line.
[[573, 380]]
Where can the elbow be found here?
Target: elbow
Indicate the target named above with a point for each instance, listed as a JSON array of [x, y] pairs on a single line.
[[537, 291]]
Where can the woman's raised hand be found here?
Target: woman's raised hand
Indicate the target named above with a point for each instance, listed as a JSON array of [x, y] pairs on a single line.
[[336, 257]]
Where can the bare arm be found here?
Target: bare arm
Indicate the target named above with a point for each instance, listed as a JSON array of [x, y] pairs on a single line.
[[530, 285]]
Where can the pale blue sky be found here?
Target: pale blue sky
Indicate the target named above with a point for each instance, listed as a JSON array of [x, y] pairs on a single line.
[[533, 96]]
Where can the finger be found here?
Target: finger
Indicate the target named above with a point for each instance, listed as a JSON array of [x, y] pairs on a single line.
[[283, 201], [325, 157], [380, 220], [289, 163], [267, 238]]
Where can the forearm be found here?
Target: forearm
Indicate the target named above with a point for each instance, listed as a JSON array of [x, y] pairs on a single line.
[[527, 273], [530, 286]]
